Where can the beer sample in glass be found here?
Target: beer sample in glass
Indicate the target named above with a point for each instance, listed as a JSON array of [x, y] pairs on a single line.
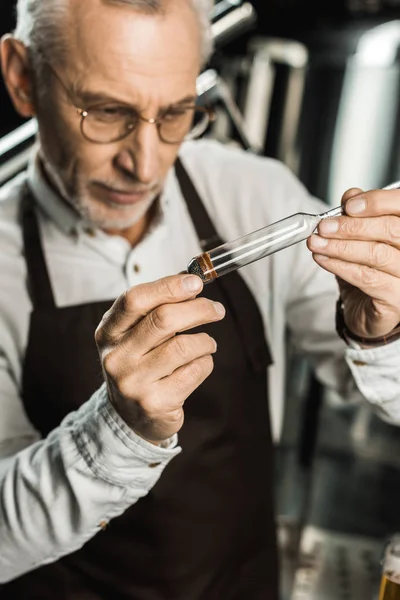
[[390, 582]]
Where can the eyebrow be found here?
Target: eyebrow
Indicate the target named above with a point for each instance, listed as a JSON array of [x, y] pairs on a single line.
[[88, 98]]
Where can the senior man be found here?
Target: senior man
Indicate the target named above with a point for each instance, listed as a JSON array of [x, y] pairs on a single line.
[[97, 499]]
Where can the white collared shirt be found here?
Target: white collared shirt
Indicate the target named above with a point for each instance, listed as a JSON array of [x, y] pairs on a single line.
[[241, 193]]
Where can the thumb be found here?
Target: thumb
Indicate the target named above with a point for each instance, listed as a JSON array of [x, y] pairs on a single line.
[[350, 193]]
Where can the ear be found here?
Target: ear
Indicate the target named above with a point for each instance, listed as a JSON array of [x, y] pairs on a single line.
[[16, 74]]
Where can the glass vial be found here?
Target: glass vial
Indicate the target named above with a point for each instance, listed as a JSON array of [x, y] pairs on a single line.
[[390, 582]]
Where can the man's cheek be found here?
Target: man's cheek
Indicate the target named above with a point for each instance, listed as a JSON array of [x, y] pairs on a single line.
[[95, 162]]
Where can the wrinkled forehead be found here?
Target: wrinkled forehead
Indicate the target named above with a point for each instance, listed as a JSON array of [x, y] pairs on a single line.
[[119, 46]]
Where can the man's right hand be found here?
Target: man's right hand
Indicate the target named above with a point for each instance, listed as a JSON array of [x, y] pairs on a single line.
[[149, 370]]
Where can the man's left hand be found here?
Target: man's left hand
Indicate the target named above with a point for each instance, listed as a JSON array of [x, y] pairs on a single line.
[[362, 249]]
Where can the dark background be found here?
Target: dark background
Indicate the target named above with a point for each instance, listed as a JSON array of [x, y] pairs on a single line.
[[329, 29], [288, 18], [8, 119]]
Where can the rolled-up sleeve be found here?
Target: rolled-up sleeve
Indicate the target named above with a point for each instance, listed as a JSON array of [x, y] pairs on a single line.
[[377, 373], [59, 492]]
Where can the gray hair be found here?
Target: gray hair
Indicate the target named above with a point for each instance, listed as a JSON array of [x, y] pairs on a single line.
[[38, 25]]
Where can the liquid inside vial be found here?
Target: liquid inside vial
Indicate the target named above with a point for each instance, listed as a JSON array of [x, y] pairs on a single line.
[[202, 266], [390, 587]]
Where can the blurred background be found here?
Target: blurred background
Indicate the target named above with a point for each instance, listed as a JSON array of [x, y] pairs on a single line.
[[316, 85]]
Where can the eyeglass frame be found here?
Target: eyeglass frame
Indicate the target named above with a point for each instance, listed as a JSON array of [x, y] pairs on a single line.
[[84, 113]]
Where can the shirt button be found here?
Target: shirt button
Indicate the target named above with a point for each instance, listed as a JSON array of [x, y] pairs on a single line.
[[154, 465], [359, 363], [103, 524], [136, 268]]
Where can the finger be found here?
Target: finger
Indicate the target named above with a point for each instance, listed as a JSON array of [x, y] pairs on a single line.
[[373, 203], [169, 319], [376, 255], [175, 353], [350, 193], [374, 283], [138, 301], [385, 229], [161, 406], [185, 380]]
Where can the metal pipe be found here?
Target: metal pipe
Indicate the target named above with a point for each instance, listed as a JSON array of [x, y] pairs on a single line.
[[233, 23]]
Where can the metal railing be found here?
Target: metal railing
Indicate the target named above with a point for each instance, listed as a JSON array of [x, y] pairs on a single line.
[[258, 69]]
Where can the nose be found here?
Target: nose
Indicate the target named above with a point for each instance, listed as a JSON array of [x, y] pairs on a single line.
[[140, 155]]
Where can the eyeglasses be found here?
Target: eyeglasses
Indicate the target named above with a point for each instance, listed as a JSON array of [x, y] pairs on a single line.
[[103, 124], [108, 122]]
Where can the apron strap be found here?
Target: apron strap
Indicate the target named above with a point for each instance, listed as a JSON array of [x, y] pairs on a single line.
[[39, 283], [206, 232], [238, 297]]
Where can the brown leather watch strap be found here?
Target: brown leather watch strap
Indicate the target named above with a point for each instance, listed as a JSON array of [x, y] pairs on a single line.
[[347, 335]]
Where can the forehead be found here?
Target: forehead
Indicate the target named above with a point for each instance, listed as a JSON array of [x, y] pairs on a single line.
[[118, 46]]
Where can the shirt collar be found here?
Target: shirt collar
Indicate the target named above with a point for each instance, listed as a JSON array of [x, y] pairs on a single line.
[[60, 212]]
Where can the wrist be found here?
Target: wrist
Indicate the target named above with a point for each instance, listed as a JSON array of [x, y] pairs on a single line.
[[347, 335], [134, 417]]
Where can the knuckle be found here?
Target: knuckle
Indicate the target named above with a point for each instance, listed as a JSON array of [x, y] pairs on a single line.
[[110, 363], [181, 346], [352, 226], [195, 371], [369, 277], [380, 255], [106, 316], [392, 229], [99, 336], [342, 247], [119, 360], [133, 301], [160, 320], [203, 367], [169, 287], [124, 300]]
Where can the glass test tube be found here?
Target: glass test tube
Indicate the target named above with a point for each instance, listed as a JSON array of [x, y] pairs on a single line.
[[261, 243], [258, 244], [390, 582]]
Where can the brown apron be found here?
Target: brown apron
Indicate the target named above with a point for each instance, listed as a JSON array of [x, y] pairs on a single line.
[[206, 530]]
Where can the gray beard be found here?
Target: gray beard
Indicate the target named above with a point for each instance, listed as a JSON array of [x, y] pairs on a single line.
[[78, 204]]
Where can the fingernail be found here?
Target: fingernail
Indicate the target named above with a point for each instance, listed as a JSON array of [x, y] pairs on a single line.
[[328, 226], [192, 284], [356, 206], [321, 257], [318, 242], [219, 309]]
